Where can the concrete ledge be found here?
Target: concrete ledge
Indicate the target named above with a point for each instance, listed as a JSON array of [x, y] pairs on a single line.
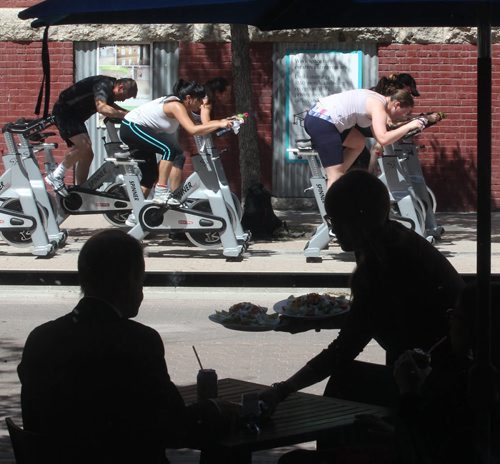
[[189, 279]]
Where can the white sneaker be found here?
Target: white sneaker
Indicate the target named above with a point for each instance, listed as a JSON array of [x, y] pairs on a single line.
[[163, 195], [57, 184], [131, 221], [172, 201]]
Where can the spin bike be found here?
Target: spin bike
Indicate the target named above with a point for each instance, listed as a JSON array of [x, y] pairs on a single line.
[[194, 193], [112, 190], [25, 208], [209, 214], [413, 202], [321, 237]]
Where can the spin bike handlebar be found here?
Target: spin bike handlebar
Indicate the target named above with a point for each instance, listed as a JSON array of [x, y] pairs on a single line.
[[28, 128], [428, 119]]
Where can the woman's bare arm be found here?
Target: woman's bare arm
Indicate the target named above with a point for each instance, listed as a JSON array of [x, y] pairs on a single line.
[[179, 112], [378, 114]]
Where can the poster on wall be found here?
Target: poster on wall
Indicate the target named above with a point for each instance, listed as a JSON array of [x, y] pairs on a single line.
[[309, 76]]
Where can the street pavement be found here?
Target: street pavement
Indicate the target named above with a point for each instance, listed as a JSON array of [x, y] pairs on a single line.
[[180, 315], [178, 307], [282, 256]]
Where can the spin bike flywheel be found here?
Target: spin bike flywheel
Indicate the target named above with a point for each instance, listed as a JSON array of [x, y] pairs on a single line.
[[210, 239], [20, 238], [117, 218]]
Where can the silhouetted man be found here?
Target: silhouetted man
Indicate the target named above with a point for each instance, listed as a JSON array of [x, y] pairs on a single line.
[[96, 379]]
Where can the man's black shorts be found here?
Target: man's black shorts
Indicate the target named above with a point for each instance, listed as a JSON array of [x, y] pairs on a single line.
[[67, 123]]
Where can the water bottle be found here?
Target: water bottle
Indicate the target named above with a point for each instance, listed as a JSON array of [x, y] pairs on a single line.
[[237, 121]]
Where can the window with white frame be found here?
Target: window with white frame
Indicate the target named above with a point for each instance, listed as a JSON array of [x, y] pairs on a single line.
[[128, 60]]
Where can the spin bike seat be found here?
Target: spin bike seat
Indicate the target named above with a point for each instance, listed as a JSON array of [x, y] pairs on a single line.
[[125, 155], [304, 144], [122, 156]]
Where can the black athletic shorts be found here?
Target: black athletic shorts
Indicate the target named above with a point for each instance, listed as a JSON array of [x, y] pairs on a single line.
[[68, 123]]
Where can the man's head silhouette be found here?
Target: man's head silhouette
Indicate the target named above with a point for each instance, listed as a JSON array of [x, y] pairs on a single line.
[[111, 267]]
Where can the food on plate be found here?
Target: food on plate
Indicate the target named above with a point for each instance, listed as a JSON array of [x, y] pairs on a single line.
[[245, 313], [315, 304]]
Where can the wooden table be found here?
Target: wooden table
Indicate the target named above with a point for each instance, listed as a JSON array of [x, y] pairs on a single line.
[[300, 418], [296, 325]]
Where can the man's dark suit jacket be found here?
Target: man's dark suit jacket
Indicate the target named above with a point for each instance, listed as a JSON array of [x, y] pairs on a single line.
[[100, 382]]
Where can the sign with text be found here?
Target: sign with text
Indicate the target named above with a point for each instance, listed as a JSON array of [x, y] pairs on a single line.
[[311, 75]]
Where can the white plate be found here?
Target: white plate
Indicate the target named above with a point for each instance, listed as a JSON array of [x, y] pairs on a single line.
[[281, 308], [245, 327]]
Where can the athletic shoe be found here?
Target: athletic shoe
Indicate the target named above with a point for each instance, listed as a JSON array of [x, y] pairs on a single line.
[[131, 221], [57, 184], [172, 201], [161, 195], [164, 196]]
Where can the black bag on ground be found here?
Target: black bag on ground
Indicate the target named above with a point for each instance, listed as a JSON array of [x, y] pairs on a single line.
[[258, 214]]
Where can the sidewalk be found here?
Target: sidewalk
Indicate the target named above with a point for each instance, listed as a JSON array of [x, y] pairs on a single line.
[[282, 256]]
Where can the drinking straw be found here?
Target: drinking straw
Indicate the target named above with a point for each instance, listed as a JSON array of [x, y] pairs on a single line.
[[197, 357]]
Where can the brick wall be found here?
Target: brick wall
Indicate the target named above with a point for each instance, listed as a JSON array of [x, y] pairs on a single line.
[[204, 61], [446, 77], [22, 75], [18, 3]]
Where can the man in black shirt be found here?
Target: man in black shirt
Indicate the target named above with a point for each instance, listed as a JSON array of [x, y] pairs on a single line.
[[96, 94]]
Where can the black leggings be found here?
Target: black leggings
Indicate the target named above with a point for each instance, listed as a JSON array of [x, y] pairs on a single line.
[[145, 144]]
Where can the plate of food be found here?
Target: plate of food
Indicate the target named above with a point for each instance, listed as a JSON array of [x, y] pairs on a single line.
[[246, 316], [313, 306]]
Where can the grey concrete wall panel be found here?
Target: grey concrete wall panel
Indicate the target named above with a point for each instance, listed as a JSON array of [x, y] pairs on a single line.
[[165, 67]]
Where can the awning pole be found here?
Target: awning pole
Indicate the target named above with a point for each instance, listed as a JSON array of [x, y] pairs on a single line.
[[482, 383]]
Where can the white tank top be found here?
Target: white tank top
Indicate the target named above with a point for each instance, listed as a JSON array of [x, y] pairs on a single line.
[[346, 109], [151, 115]]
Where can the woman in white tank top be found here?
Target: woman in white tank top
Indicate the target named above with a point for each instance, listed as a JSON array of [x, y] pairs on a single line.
[[331, 125], [152, 128]]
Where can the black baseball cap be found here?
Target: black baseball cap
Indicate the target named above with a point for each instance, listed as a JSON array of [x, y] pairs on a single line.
[[407, 80]]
